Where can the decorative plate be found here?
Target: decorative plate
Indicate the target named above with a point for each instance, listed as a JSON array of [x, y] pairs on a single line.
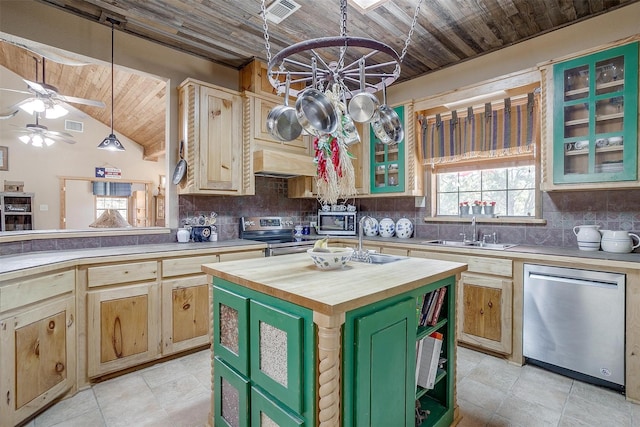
[[370, 227], [387, 227], [404, 228]]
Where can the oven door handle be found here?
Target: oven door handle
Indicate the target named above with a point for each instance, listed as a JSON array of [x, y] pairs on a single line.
[[288, 250]]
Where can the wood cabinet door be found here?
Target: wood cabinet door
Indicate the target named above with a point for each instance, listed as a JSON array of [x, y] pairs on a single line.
[[123, 327], [261, 134], [185, 313], [37, 359], [230, 396], [485, 312], [383, 387], [219, 160]]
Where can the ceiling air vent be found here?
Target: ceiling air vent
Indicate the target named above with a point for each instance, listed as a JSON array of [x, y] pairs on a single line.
[[73, 126], [280, 10]]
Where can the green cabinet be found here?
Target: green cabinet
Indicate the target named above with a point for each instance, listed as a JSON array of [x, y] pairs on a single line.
[[379, 362], [595, 119], [264, 359], [387, 162]]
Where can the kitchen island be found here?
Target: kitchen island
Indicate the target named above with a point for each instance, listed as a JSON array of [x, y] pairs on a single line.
[[301, 346]]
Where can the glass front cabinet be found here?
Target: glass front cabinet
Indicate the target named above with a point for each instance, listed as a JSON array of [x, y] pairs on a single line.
[[387, 162], [595, 118]]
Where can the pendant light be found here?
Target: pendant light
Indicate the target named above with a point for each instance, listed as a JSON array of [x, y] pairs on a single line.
[[111, 142]]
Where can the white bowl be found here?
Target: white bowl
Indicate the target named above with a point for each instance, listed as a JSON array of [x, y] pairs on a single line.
[[404, 228], [387, 227], [334, 259]]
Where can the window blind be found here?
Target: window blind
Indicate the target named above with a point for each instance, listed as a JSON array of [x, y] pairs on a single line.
[[119, 189], [497, 130]]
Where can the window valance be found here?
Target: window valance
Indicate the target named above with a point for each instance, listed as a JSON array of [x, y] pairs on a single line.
[[497, 130]]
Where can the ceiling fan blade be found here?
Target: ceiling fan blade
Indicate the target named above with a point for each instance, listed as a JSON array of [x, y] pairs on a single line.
[[8, 116], [84, 101], [39, 88], [59, 134], [16, 91], [60, 138]]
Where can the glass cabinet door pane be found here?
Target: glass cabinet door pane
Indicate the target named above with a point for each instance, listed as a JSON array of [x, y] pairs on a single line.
[[576, 83], [610, 115], [576, 120], [610, 75]]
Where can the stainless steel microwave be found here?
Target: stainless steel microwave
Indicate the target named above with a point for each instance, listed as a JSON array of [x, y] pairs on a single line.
[[337, 223]]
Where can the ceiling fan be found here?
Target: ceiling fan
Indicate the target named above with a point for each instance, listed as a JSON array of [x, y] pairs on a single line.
[[39, 135], [46, 98]]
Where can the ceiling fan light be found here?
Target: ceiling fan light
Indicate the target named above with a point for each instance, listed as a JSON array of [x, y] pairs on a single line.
[[37, 140], [55, 112], [111, 143], [48, 141], [25, 138]]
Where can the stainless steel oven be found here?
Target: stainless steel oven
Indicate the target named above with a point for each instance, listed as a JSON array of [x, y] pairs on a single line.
[[276, 232]]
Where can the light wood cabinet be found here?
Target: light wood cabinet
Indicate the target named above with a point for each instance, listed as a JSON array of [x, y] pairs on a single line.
[[37, 358], [123, 327], [210, 122], [485, 312], [16, 211], [485, 300]]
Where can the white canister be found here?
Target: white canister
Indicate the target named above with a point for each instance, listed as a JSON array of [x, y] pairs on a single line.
[[619, 241], [588, 237], [183, 235]]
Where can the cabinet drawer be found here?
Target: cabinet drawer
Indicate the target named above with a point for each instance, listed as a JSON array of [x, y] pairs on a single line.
[[232, 256], [477, 264], [32, 290], [121, 273], [186, 265]]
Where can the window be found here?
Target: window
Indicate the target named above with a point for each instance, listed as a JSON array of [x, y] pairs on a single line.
[[513, 189], [121, 204]]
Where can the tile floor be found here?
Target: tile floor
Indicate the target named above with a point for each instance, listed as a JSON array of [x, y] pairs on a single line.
[[491, 393]]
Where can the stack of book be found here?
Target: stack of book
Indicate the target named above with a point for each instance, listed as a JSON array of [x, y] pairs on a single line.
[[431, 306], [428, 359]]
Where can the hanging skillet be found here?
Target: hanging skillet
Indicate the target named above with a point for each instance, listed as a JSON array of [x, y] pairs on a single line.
[[363, 104], [282, 122], [386, 124], [314, 109], [181, 167]]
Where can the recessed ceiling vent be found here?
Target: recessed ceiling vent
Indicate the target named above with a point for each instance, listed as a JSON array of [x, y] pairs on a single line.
[[281, 9], [73, 126]]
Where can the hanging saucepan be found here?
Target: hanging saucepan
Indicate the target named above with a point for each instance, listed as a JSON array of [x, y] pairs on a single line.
[[363, 104], [349, 132], [181, 167], [386, 123], [282, 122], [314, 109]]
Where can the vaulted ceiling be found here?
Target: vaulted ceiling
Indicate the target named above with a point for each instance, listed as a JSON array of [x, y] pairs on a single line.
[[232, 33]]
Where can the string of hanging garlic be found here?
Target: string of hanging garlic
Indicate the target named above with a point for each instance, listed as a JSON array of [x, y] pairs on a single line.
[[335, 177]]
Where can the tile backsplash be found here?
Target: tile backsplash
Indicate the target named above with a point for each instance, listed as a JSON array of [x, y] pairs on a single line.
[[611, 210]]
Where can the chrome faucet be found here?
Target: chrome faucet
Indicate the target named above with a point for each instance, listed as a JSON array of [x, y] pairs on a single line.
[[474, 237], [360, 254]]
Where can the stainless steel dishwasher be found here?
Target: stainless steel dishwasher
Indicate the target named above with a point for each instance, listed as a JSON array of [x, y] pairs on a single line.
[[574, 323]]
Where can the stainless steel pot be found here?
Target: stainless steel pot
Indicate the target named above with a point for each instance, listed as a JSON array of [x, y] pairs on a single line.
[[363, 105], [282, 122], [314, 109], [386, 124]]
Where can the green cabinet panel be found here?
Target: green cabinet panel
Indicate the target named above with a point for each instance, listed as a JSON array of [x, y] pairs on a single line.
[[276, 353], [387, 163], [231, 394], [595, 120], [379, 362], [267, 411], [231, 328]]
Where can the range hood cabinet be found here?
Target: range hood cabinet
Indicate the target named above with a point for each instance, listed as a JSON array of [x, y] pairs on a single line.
[[279, 164]]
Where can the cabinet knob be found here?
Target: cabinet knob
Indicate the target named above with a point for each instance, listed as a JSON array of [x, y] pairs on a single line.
[[52, 325], [59, 367]]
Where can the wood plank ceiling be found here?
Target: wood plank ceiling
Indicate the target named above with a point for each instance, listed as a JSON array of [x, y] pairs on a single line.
[[231, 33]]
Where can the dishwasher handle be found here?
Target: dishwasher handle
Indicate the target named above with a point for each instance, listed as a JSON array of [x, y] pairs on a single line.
[[574, 281]]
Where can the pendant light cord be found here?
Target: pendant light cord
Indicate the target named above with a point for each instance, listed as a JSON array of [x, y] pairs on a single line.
[[112, 88]]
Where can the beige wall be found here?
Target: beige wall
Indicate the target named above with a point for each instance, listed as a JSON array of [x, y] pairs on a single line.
[[585, 35], [45, 24]]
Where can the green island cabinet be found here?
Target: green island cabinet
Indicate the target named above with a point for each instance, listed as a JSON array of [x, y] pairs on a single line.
[[387, 163], [326, 354], [595, 120]]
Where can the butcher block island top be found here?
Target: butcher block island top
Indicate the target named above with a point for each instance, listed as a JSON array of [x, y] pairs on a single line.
[[296, 279]]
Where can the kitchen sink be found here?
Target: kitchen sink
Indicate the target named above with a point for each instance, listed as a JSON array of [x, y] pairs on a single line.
[[374, 258], [468, 244]]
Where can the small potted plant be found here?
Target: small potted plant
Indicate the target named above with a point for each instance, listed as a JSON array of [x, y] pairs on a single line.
[[476, 208], [464, 208], [489, 208]]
